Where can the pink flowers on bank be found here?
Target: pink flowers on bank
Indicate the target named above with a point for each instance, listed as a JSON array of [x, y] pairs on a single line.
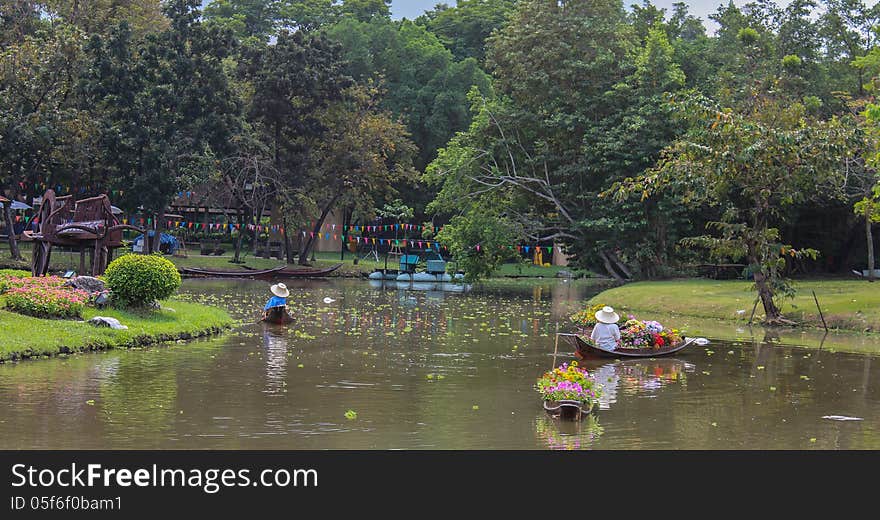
[[44, 297]]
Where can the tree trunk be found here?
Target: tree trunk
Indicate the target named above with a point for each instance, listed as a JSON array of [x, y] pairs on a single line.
[[243, 218], [608, 267], [10, 229], [257, 217], [870, 237], [304, 254], [619, 263], [288, 243], [772, 314]]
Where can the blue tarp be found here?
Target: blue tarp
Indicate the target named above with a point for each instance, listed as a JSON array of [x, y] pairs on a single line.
[[167, 243]]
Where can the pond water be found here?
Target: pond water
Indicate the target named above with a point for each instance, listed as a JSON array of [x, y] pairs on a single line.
[[432, 370]]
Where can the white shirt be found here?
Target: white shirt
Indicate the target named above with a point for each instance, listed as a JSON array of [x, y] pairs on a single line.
[[606, 335]]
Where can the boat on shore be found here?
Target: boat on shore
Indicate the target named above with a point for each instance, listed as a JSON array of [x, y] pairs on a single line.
[[278, 316], [568, 410], [585, 349], [228, 273], [277, 272]]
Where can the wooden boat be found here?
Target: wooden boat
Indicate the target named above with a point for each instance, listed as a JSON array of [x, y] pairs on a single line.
[[568, 410], [305, 273], [278, 316], [584, 349], [229, 273], [277, 272]]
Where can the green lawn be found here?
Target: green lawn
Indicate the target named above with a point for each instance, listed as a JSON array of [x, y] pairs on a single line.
[[24, 336], [846, 304]]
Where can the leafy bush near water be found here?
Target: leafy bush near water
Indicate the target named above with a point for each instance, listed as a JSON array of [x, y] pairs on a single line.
[[43, 297], [138, 280]]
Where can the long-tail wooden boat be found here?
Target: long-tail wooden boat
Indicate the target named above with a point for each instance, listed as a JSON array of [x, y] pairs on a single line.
[[585, 349], [228, 273], [568, 410], [305, 273], [276, 272], [278, 316]]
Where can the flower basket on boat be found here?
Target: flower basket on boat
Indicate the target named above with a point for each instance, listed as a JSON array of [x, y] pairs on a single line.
[[569, 392]]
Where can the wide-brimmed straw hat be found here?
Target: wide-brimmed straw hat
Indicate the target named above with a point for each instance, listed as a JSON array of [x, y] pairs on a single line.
[[280, 290], [607, 315]]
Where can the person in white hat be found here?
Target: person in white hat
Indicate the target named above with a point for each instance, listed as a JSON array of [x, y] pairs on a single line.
[[279, 297], [606, 333]]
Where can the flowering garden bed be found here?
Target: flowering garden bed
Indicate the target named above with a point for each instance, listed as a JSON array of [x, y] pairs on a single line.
[[43, 297]]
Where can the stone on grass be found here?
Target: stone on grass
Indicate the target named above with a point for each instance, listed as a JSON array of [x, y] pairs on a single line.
[[101, 321], [90, 284]]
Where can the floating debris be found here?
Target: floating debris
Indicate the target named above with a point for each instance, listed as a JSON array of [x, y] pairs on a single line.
[[841, 418]]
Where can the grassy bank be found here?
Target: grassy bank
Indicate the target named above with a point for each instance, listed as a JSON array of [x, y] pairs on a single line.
[[24, 336], [850, 305]]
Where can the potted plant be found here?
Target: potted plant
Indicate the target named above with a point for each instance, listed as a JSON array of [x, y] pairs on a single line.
[[568, 391]]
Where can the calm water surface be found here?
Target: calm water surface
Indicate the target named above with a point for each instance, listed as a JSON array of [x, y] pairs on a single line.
[[429, 370]]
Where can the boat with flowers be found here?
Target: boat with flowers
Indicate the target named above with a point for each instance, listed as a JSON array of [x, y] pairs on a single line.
[[638, 339], [586, 348], [569, 392]]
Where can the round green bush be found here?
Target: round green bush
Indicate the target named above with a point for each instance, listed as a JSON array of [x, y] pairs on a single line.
[[138, 280]]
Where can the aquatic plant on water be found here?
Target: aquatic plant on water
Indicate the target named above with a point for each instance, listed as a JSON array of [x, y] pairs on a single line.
[[568, 382]]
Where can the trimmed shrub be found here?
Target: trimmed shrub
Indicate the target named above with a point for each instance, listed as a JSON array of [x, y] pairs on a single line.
[[139, 280], [44, 297]]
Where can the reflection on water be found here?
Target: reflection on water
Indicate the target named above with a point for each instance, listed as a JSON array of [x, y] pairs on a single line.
[[637, 377], [432, 370], [275, 345], [556, 434]]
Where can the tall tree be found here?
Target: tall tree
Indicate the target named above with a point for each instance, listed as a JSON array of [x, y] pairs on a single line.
[[246, 18], [43, 134], [292, 82], [848, 27], [362, 155], [465, 28], [167, 107], [755, 166]]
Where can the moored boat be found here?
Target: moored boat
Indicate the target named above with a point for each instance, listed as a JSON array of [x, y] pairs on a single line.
[[277, 272], [586, 349], [228, 273]]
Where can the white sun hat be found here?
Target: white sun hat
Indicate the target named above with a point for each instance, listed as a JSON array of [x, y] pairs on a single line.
[[280, 290], [607, 315]]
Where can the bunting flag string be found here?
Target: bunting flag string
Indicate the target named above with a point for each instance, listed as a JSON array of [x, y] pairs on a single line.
[[326, 235]]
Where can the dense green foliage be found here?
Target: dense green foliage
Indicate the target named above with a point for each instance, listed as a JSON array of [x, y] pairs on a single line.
[[138, 280], [525, 117]]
